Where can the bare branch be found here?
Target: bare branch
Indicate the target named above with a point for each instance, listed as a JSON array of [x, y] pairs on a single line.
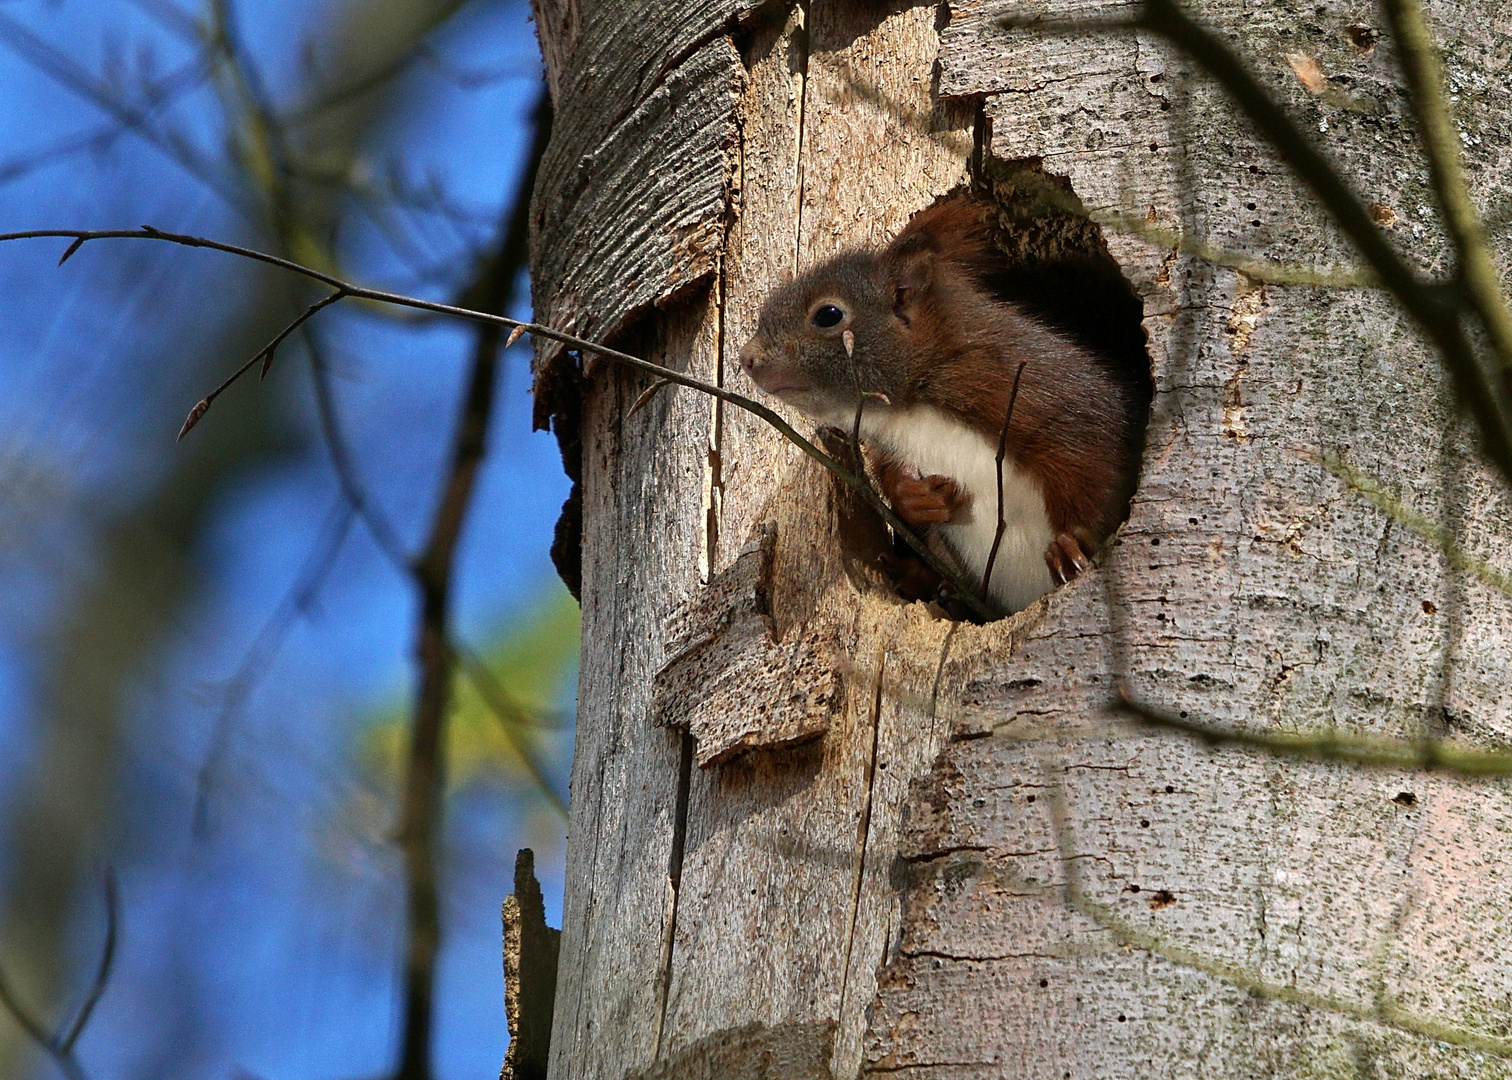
[[968, 594], [265, 646], [384, 73], [265, 354], [1434, 306], [342, 464], [60, 1047], [1440, 537], [423, 805], [154, 96], [1257, 269], [61, 69], [1382, 1010], [24, 1020], [102, 972]]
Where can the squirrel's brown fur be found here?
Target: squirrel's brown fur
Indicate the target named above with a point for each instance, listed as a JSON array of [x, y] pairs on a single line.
[[926, 327]]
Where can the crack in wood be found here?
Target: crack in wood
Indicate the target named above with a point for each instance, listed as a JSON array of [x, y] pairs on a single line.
[[863, 827], [674, 882]]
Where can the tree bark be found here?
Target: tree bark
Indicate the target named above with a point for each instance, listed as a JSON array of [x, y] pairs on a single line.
[[818, 832]]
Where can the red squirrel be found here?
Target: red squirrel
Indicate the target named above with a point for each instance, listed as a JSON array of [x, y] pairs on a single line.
[[917, 334]]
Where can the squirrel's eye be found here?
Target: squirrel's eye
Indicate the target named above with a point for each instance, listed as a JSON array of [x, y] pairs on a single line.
[[827, 315]]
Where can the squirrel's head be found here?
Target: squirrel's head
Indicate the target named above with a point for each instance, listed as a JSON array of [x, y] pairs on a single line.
[[841, 331]]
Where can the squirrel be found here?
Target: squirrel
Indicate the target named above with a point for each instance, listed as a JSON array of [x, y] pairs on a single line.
[[918, 337]]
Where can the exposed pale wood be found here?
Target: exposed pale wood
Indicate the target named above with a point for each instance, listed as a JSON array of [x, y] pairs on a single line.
[[787, 904], [645, 475]]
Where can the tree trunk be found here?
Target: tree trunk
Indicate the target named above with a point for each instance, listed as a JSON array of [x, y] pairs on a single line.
[[817, 832]]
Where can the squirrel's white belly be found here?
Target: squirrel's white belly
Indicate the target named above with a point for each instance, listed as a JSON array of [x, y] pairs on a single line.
[[935, 443]]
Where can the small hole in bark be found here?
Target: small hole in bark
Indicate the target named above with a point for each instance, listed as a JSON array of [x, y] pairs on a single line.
[[1404, 798], [1170, 788], [1144, 823], [1044, 983], [1031, 798], [1162, 899], [1362, 37], [1254, 170], [1183, 714], [1155, 542], [1121, 1018], [1249, 206], [1154, 147], [1430, 608]]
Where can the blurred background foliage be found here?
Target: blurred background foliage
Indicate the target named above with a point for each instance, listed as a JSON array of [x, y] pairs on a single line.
[[206, 648]]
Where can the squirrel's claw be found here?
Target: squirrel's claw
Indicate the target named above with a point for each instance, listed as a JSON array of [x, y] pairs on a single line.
[[1065, 558]]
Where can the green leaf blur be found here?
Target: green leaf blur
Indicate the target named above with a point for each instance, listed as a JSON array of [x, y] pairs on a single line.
[[532, 661]]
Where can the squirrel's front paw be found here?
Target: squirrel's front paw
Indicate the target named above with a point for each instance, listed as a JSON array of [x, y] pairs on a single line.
[[926, 500], [1065, 558]]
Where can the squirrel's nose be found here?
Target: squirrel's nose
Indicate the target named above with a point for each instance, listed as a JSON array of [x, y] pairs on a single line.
[[750, 358]]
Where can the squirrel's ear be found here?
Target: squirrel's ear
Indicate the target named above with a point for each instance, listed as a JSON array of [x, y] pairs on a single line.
[[912, 272]]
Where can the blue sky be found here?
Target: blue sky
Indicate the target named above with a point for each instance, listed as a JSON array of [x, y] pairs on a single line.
[[270, 943]]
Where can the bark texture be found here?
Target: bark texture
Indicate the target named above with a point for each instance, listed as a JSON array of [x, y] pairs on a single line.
[[811, 821]]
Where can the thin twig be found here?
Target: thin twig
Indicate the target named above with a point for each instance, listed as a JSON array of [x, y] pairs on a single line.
[[1002, 452], [967, 592], [265, 646], [353, 490], [102, 971], [64, 71], [265, 354], [154, 96], [60, 1047]]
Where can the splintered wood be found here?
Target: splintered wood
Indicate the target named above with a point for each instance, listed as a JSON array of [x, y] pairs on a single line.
[[729, 682]]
